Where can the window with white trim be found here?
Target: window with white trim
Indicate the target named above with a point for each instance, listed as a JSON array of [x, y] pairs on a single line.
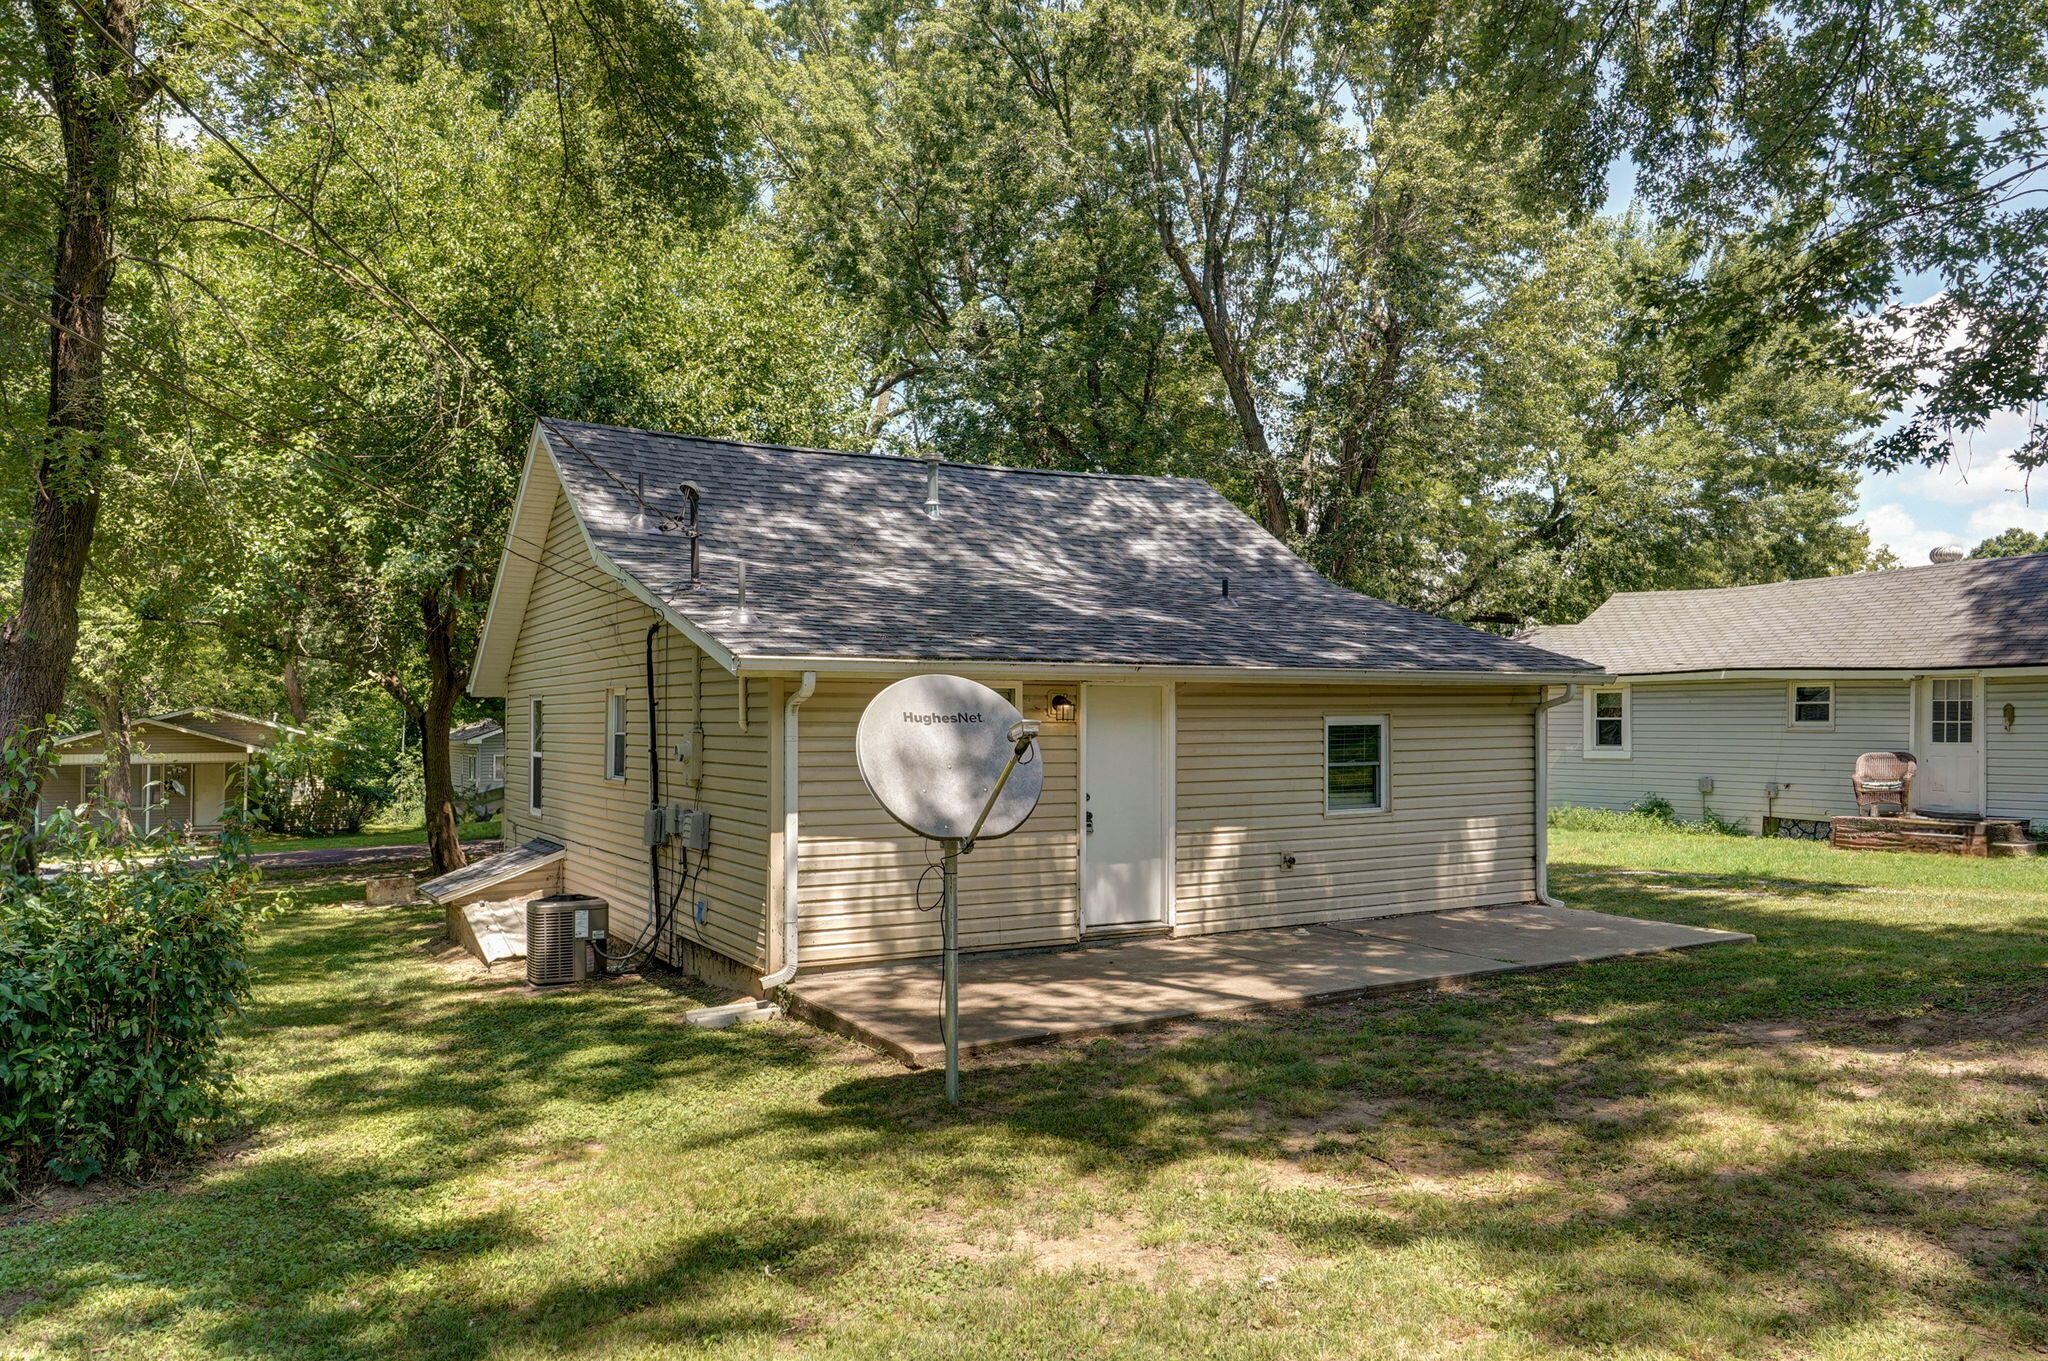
[[615, 735], [1354, 765], [1607, 722], [1813, 705], [535, 717]]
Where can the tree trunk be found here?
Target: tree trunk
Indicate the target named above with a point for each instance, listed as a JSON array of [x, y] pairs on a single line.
[[115, 796], [294, 692], [93, 101], [445, 678]]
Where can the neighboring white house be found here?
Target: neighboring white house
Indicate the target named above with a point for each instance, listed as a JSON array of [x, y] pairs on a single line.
[[477, 753], [1230, 740], [1754, 701], [186, 767]]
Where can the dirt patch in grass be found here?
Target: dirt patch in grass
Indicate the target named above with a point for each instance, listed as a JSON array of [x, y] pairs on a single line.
[[1118, 1246]]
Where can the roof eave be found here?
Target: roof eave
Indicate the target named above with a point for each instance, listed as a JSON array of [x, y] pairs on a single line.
[[760, 664]]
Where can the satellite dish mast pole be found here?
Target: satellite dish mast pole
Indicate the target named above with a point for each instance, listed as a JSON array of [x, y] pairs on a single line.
[[1022, 735], [950, 759]]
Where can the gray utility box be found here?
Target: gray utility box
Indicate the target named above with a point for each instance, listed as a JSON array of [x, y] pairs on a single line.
[[564, 934], [677, 822]]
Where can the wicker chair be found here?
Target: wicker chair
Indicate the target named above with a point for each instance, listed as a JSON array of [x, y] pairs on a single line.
[[1884, 777]]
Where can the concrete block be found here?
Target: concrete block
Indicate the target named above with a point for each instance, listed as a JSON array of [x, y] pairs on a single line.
[[382, 890]]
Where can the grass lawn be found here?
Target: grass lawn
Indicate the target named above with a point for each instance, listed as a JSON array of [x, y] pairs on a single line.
[[1831, 1144], [373, 836]]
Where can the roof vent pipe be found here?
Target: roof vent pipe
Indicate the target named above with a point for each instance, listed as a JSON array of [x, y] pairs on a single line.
[[689, 489], [741, 616], [931, 485]]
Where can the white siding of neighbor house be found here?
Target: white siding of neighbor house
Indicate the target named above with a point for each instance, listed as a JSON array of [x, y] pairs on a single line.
[[581, 638], [2016, 762], [1740, 733], [1460, 830]]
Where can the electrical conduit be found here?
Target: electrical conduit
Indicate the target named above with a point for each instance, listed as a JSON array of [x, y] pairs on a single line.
[[790, 773]]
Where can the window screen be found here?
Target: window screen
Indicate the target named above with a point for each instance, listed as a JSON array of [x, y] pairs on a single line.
[[1813, 704], [1354, 764], [535, 736], [615, 738], [1610, 725]]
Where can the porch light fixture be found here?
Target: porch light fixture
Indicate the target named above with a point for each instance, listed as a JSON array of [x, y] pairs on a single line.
[[1059, 709]]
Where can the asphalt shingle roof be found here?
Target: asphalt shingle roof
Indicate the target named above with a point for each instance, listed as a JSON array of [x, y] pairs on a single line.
[[476, 732], [1021, 565], [1978, 612]]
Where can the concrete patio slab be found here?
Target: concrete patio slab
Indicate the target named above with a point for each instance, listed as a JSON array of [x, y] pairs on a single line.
[[1101, 989], [1538, 935]]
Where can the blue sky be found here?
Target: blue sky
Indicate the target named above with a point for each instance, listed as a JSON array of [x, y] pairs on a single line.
[[1913, 512], [1978, 493]]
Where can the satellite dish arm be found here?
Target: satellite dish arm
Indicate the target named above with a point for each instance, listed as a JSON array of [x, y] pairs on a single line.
[[1023, 734]]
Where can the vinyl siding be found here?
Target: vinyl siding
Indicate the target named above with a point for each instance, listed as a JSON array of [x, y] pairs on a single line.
[[581, 638], [1739, 733], [858, 871], [62, 787], [1459, 829], [2016, 762], [152, 741]]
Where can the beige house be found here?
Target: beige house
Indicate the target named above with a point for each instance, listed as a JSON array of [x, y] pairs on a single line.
[[1231, 740], [186, 767], [1754, 701]]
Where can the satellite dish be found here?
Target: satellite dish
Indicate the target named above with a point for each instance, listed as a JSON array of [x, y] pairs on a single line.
[[932, 748]]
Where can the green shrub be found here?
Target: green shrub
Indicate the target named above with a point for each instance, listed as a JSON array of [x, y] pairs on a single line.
[[1710, 821], [326, 784], [1644, 817], [116, 978], [1656, 807]]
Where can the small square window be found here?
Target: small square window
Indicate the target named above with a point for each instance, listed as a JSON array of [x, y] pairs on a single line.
[[1813, 705], [1354, 765], [1607, 722]]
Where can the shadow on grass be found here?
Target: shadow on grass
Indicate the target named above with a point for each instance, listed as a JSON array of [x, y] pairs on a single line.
[[1618, 1095]]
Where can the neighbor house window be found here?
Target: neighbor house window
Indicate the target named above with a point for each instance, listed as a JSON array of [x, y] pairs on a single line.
[[1813, 706], [1607, 722], [615, 736], [535, 715], [497, 768], [1354, 765]]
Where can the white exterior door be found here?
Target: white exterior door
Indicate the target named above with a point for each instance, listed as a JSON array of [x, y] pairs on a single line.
[[1950, 749], [1124, 772]]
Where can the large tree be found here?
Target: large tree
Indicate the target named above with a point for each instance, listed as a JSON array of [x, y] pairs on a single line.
[[80, 67], [1298, 251]]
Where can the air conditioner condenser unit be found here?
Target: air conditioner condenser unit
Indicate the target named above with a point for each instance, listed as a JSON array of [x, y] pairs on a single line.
[[564, 935]]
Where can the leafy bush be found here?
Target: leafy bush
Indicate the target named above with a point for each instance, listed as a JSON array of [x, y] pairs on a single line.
[[320, 784], [116, 978], [1654, 806], [1710, 821], [1644, 817]]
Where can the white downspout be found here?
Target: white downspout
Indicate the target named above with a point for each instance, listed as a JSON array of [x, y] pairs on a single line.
[[791, 771], [1543, 708]]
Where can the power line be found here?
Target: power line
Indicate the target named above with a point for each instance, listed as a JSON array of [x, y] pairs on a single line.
[[382, 285], [332, 462]]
